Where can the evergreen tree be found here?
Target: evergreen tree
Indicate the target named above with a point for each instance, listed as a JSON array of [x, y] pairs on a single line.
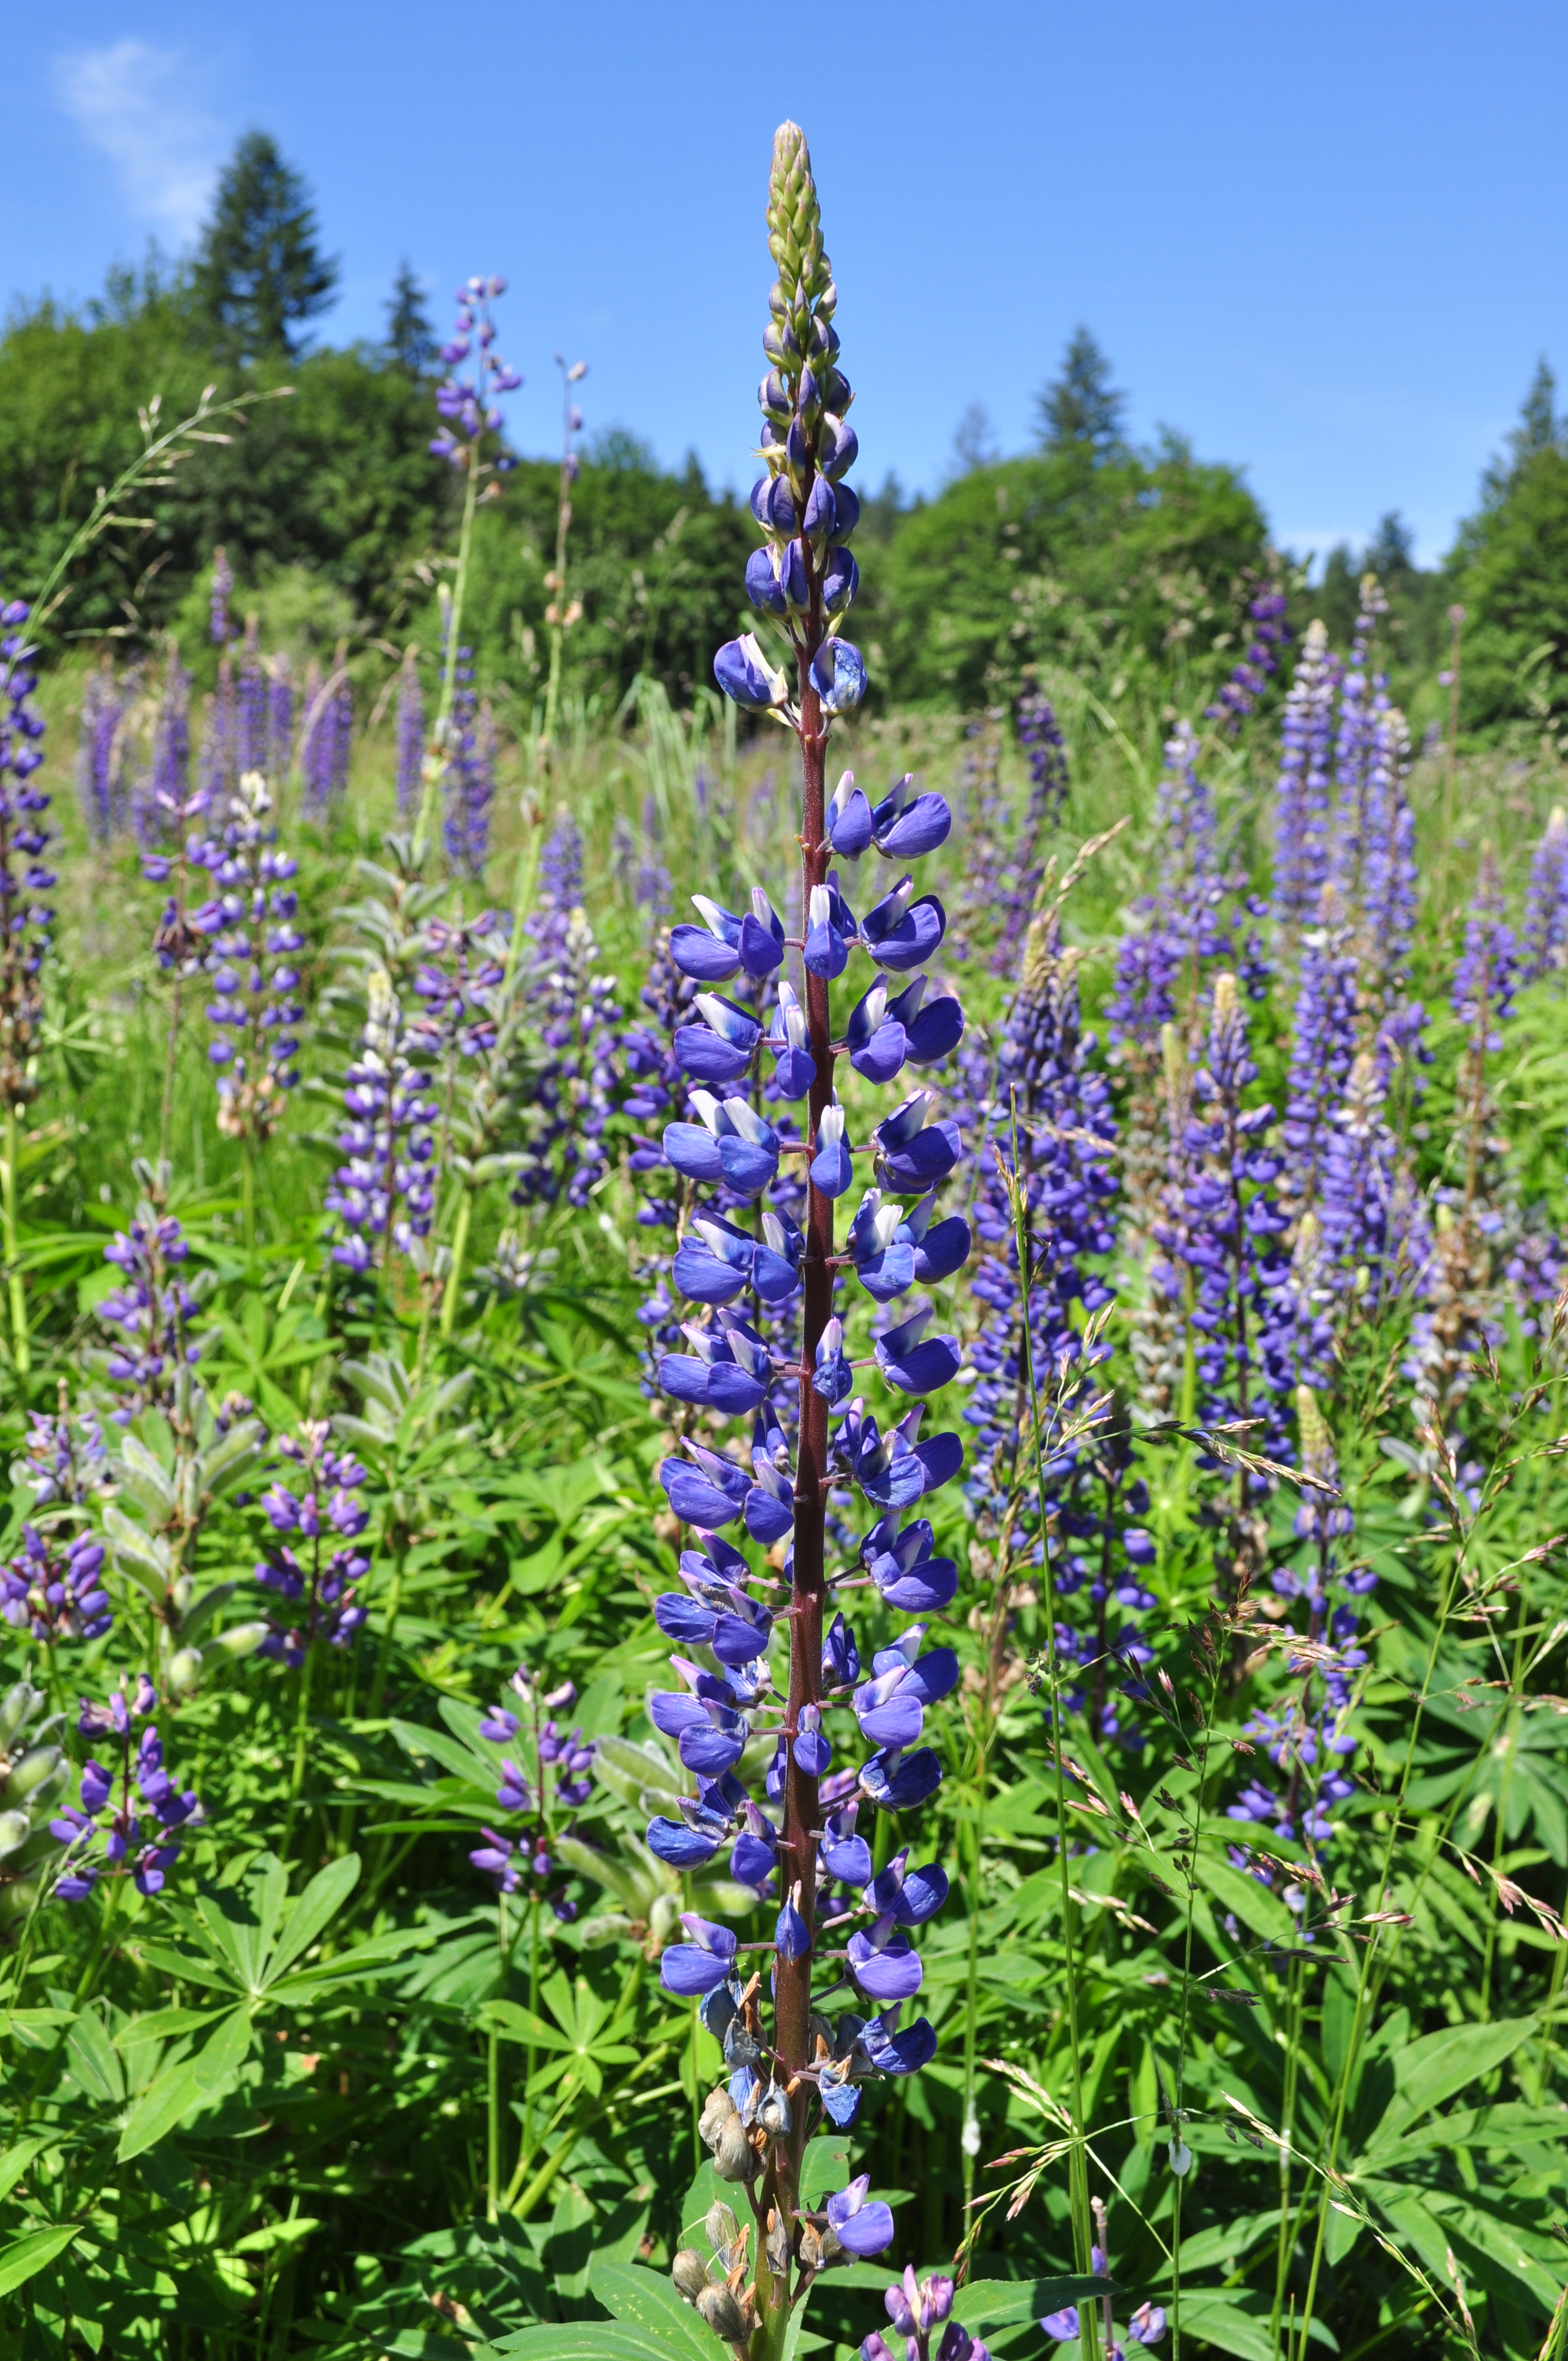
[[410, 340], [1392, 550], [259, 274], [1540, 429], [1081, 409], [972, 443]]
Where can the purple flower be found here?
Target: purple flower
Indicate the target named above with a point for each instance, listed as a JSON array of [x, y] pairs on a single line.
[[101, 754], [251, 965], [468, 774], [383, 1194], [53, 1588], [466, 399], [862, 2227], [1301, 792], [117, 1831], [410, 738], [1240, 692], [26, 919], [153, 1309], [221, 592], [761, 1006], [323, 1587], [326, 735], [571, 1008]]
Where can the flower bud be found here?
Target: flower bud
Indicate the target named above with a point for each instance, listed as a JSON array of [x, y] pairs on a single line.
[[717, 2108], [723, 2314], [734, 2157], [184, 1671], [690, 2273], [774, 2115], [721, 2227]]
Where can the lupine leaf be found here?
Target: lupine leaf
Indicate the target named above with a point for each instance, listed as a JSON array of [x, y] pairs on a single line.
[[1008, 2304], [649, 2303], [322, 1898], [27, 2255]]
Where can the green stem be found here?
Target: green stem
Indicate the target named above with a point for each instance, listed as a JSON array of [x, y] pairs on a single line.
[[1287, 2126], [102, 1946], [970, 2135], [1078, 2172], [247, 1200], [384, 1653], [454, 1276], [493, 2180], [302, 1741], [429, 801], [170, 1067], [21, 1348]]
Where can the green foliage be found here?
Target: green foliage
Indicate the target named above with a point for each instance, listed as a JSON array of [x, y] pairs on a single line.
[[259, 273], [1133, 572], [1511, 576]]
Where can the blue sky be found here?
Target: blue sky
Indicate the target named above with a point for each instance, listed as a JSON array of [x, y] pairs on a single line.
[[1325, 243]]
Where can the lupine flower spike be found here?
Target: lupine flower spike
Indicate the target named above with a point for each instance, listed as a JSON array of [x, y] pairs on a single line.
[[255, 943], [120, 1830], [798, 1844], [298, 1567], [545, 1793]]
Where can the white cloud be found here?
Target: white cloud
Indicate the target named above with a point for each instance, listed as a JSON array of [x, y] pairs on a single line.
[[130, 101]]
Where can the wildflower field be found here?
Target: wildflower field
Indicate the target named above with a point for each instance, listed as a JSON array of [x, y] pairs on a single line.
[[1026, 1246]]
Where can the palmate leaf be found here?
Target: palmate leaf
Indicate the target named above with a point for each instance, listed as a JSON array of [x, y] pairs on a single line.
[[253, 1941]]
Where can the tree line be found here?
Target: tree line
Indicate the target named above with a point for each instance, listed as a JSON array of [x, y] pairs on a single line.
[[1133, 566]]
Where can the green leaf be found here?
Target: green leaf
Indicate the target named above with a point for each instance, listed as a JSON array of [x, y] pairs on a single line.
[[1008, 2304], [157, 2110], [162, 2025], [33, 2253], [579, 2340], [15, 2160], [824, 2169], [319, 1903], [1252, 1903], [1507, 2125], [645, 2302], [225, 2052], [415, 1738], [1431, 2069], [706, 2190], [517, 2024], [92, 2058]]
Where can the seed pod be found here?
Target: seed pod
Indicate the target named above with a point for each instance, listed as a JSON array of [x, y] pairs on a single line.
[[717, 2110], [721, 2227], [774, 2115], [723, 2314], [778, 2247], [690, 2274], [810, 2247], [734, 2157]]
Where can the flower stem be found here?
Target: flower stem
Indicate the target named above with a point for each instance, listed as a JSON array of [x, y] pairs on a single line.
[[438, 768], [454, 1276], [21, 1349], [301, 1738], [493, 2078], [1077, 2172], [384, 1653]]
